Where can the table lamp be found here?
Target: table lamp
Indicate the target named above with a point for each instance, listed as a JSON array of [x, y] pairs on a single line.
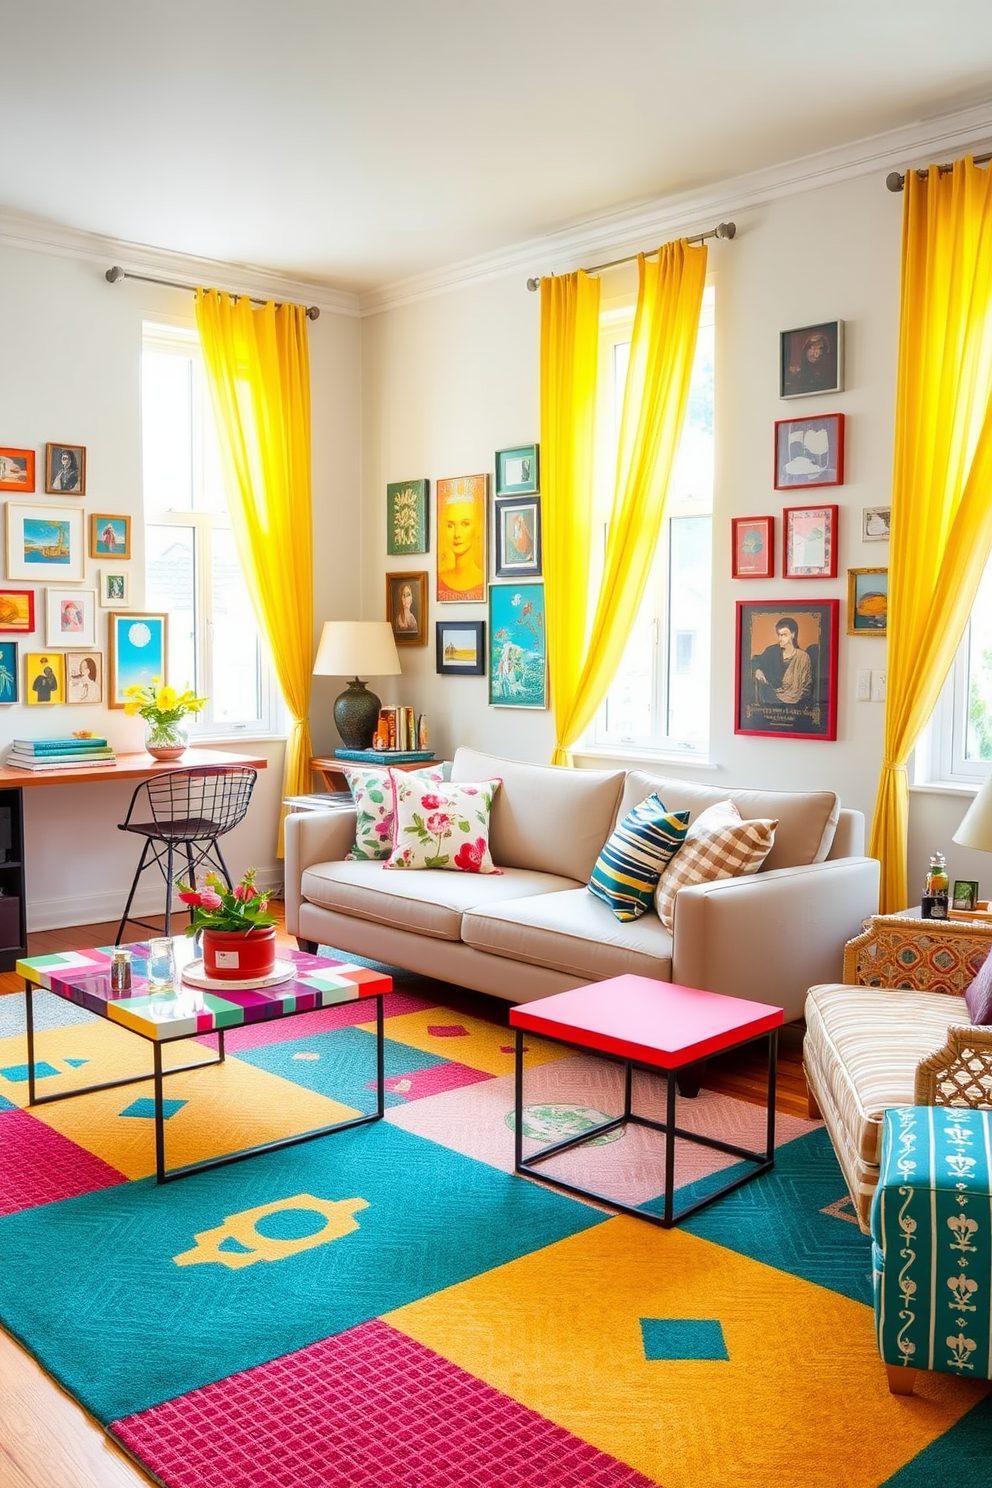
[[976, 824], [347, 648]]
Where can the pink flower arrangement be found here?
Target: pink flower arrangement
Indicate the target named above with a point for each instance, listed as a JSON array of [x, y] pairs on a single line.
[[216, 907]]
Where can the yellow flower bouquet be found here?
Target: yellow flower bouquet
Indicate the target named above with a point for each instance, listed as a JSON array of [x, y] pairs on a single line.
[[163, 709]]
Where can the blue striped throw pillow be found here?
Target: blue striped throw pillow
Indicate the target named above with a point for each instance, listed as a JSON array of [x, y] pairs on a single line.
[[627, 870]]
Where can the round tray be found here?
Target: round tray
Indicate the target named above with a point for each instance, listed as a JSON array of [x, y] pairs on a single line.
[[195, 976]]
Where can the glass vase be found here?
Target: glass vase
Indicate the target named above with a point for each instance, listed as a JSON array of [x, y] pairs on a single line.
[[165, 741]]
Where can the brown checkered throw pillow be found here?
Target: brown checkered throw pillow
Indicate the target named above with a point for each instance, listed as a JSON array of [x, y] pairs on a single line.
[[718, 844]]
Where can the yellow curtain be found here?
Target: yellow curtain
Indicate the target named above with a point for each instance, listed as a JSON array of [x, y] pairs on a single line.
[[258, 370], [942, 474], [584, 660]]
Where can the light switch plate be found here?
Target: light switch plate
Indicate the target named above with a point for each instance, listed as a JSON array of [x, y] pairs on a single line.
[[863, 693], [879, 681]]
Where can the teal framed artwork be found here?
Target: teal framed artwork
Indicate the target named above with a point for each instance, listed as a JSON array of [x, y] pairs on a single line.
[[406, 517], [516, 471], [518, 651]]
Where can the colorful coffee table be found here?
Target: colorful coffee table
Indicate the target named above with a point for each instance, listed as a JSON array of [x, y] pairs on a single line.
[[656, 1026], [83, 977]]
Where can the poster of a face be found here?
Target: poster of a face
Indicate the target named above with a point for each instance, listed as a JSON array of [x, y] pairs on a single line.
[[461, 538]]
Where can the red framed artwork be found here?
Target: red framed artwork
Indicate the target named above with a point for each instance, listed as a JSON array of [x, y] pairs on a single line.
[[17, 610], [809, 542], [752, 548], [809, 452], [786, 669], [16, 469]]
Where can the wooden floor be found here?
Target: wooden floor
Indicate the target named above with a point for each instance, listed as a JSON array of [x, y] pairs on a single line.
[[48, 1441]]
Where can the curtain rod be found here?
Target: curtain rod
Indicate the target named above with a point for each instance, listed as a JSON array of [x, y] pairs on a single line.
[[722, 230], [896, 182], [116, 274]]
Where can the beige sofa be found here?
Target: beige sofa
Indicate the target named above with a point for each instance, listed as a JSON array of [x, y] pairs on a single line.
[[536, 929]]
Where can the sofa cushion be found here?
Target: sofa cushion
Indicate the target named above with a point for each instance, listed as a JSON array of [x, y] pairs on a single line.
[[719, 844], [441, 824], [627, 870], [428, 904], [806, 820], [544, 817], [571, 932]]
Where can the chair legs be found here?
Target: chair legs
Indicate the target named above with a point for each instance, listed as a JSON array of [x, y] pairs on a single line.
[[130, 898], [163, 853]]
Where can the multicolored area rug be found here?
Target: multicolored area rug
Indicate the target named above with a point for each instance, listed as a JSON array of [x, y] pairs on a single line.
[[388, 1307]]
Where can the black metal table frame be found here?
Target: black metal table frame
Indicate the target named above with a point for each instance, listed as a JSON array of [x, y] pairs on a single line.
[[524, 1166], [163, 1175]]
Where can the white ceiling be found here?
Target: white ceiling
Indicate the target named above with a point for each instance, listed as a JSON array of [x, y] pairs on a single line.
[[361, 142]]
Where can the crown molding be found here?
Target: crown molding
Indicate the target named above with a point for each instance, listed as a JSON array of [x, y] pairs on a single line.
[[39, 236], [643, 225]]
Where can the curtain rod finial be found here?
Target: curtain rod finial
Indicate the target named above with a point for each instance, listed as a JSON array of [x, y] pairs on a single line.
[[115, 274], [726, 229], [894, 181], [313, 312], [533, 284]]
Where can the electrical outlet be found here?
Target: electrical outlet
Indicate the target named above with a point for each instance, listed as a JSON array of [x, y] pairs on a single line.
[[878, 685], [863, 693]]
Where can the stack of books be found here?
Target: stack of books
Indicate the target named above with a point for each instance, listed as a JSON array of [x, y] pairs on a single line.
[[60, 754], [401, 728]]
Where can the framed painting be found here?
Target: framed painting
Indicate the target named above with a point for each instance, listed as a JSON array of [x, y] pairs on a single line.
[[518, 651], [139, 645], [461, 538], [84, 676], [516, 471], [9, 690], [17, 610], [965, 895], [809, 542], [45, 542], [65, 469], [809, 452], [517, 526], [867, 601], [406, 607], [875, 523], [44, 678], [752, 547], [70, 617], [460, 647], [811, 360], [786, 669], [16, 470], [407, 528], [115, 588], [110, 536]]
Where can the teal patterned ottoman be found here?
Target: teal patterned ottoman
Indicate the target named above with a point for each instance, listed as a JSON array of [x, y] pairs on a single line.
[[931, 1224]]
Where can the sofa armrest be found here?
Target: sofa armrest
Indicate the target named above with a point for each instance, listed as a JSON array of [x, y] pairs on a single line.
[[959, 1074], [312, 837], [770, 936]]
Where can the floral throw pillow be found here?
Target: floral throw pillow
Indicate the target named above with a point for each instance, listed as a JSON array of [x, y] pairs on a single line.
[[372, 792], [442, 825]]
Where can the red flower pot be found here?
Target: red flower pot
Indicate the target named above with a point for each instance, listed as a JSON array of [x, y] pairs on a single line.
[[237, 955]]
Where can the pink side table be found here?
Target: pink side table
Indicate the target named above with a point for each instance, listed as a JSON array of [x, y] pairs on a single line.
[[651, 1025]]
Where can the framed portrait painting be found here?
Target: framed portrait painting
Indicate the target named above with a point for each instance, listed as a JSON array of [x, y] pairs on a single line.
[[811, 360], [139, 646], [65, 469], [809, 452], [517, 525], [406, 517], [752, 547], [809, 542], [9, 689], [45, 542], [70, 617], [17, 610], [516, 471], [110, 536], [44, 678], [786, 669], [16, 470], [84, 676], [518, 652], [406, 607], [867, 601], [461, 538], [460, 647]]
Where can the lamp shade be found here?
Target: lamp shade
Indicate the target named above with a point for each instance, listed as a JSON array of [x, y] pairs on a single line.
[[976, 824], [357, 648]]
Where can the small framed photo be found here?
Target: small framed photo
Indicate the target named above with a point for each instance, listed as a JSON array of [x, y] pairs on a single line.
[[518, 537], [965, 895], [809, 542], [867, 601], [44, 678], [70, 617], [875, 523], [65, 469], [752, 544], [811, 360], [786, 669], [45, 542], [461, 647], [406, 607], [516, 471], [139, 647], [17, 610], [518, 650], [16, 470], [115, 588], [9, 689], [84, 676], [406, 517], [809, 452], [110, 536]]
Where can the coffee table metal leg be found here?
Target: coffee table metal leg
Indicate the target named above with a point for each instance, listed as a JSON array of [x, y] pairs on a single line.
[[159, 1116], [29, 1025], [380, 1057], [772, 1068], [671, 1088], [518, 1103]]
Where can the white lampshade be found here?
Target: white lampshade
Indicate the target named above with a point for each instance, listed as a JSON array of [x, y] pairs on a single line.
[[976, 824], [357, 648]]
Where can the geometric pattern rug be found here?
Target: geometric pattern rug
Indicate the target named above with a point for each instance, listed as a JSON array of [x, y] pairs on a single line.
[[389, 1307]]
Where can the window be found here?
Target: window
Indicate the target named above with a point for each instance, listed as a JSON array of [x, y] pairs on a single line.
[[191, 563], [958, 746], [659, 699]]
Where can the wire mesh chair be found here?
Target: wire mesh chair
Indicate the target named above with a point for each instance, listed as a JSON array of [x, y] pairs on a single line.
[[185, 811]]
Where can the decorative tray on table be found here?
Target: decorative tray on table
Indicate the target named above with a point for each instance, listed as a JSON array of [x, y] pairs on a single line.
[[195, 976]]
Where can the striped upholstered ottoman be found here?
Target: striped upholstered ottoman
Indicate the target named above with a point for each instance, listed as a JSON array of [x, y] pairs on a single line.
[[931, 1224]]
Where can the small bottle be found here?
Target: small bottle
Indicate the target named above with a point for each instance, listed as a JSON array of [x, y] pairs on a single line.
[[120, 971], [935, 889]]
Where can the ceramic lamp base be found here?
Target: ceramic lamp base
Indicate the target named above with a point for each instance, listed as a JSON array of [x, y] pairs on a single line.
[[356, 713]]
